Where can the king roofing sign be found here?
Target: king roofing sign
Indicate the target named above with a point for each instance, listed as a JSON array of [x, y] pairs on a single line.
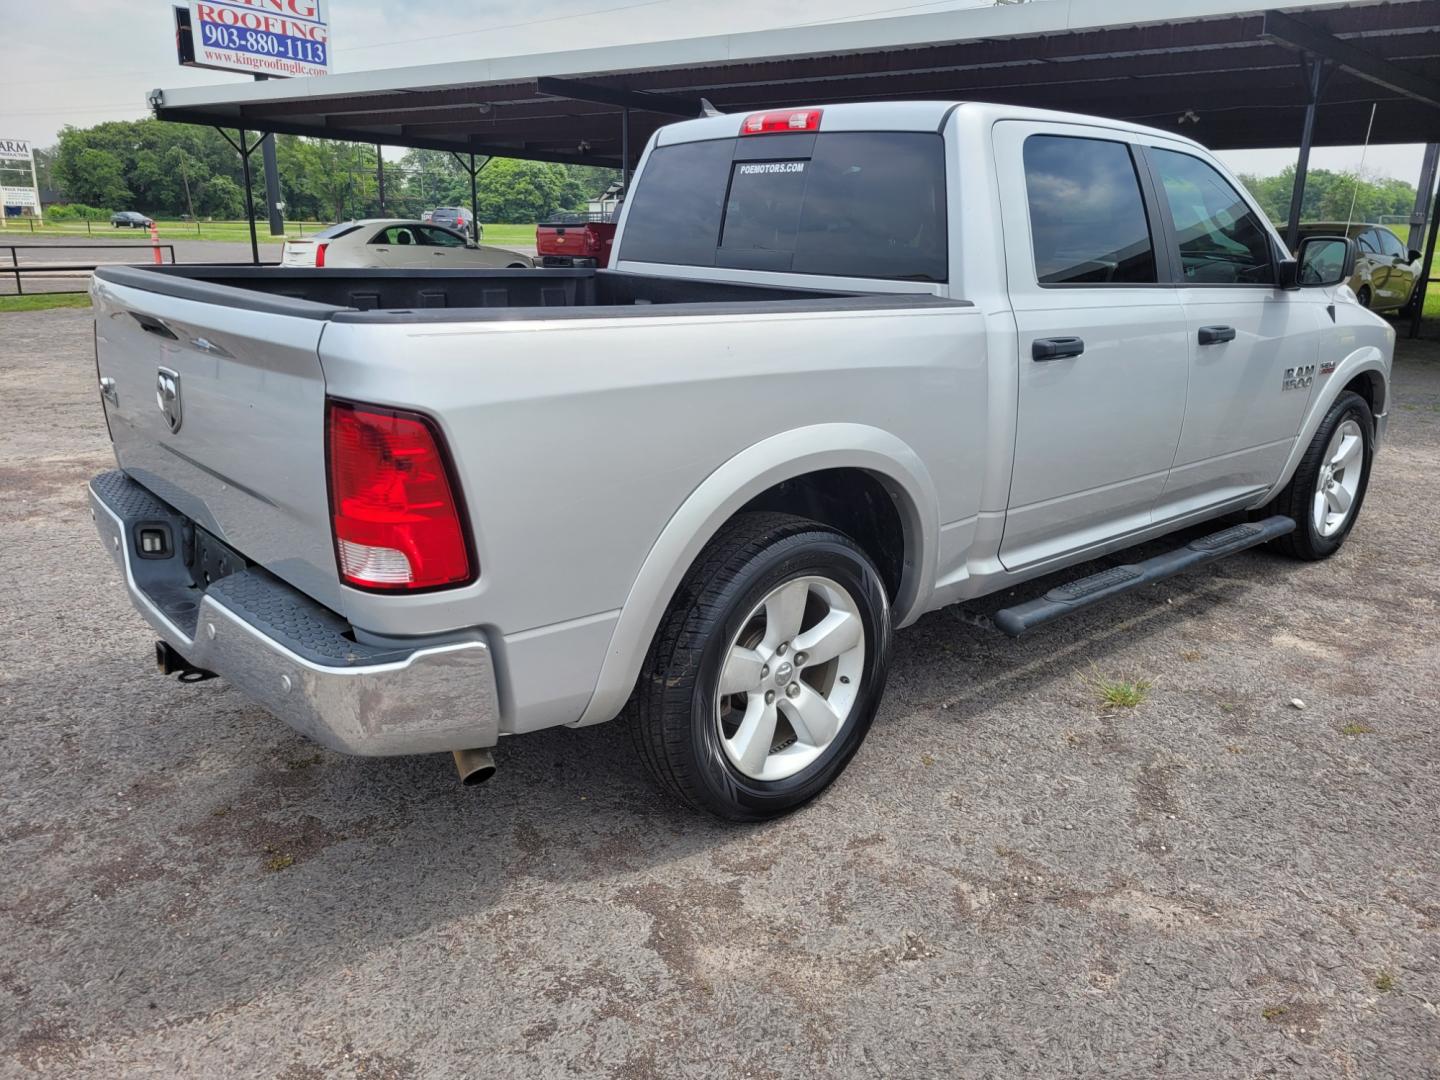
[[262, 37]]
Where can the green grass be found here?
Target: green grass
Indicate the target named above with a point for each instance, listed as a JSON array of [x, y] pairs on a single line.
[[44, 302], [509, 235], [1385, 982], [1118, 693]]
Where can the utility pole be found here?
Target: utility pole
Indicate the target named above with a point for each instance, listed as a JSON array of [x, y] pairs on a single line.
[[380, 176], [189, 203]]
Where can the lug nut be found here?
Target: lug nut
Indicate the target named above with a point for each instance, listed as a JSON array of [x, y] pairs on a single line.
[[799, 658], [780, 649], [793, 689], [769, 697], [764, 671]]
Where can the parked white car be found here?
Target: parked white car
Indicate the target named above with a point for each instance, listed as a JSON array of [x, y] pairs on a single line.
[[397, 242]]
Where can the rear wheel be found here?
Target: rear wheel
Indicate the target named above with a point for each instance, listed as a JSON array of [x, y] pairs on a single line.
[[766, 671], [1325, 495]]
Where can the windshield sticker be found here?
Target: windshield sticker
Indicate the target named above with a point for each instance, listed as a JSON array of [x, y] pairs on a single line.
[[772, 167]]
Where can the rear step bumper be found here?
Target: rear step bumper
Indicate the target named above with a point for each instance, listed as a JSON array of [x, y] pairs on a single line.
[[1074, 595], [291, 655]]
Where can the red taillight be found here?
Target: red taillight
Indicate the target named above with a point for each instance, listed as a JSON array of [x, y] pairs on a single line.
[[764, 123], [393, 504], [320, 254]]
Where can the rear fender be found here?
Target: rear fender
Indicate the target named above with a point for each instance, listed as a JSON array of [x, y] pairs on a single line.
[[747, 474]]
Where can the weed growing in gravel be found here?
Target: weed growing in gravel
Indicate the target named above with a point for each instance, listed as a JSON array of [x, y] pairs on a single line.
[[1118, 693], [279, 860], [1274, 1012], [1357, 729], [1384, 982]]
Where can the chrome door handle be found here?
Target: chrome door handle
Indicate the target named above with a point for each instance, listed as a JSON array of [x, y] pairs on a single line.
[[1214, 335], [1056, 348]]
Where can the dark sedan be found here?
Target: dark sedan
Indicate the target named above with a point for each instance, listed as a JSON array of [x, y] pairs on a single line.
[[129, 219]]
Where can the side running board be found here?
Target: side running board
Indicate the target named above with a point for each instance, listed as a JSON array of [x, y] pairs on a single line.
[[1074, 595]]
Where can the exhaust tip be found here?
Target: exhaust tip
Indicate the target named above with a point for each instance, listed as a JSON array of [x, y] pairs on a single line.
[[474, 766]]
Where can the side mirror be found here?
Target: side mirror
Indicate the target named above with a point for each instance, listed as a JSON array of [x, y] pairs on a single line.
[[1415, 256], [1324, 260]]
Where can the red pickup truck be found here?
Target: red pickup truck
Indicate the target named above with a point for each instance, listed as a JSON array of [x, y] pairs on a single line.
[[575, 242]]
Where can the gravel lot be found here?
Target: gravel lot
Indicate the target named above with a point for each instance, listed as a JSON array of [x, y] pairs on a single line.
[[1009, 881]]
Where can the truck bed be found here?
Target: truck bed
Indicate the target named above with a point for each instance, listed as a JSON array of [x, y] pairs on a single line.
[[418, 295]]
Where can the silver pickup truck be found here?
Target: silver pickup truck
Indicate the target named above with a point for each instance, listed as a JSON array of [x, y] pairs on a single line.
[[851, 364]]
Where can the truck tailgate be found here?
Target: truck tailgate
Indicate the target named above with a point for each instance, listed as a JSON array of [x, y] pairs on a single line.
[[220, 411]]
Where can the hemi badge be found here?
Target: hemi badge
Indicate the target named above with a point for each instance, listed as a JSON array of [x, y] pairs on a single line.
[[1327, 368]]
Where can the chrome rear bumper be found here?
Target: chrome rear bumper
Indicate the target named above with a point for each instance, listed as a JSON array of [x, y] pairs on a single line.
[[294, 657]]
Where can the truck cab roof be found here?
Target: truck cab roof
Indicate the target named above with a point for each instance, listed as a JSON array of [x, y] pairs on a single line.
[[895, 116]]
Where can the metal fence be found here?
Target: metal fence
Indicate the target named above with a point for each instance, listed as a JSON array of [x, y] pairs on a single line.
[[61, 270]]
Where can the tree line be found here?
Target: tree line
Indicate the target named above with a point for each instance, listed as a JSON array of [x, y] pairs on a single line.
[[1328, 196], [169, 170]]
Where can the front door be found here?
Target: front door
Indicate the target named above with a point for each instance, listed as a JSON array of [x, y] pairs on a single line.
[[1252, 345], [1102, 341]]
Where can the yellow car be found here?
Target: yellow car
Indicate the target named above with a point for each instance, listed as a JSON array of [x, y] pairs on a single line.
[[1387, 275]]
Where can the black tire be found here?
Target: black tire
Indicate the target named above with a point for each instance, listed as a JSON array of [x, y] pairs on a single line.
[[1295, 501], [672, 714], [1365, 297]]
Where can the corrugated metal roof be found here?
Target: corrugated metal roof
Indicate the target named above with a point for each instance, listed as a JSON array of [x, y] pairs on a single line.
[[1204, 68]]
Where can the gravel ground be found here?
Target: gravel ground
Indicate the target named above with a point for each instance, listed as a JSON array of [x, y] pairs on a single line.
[[1009, 881]]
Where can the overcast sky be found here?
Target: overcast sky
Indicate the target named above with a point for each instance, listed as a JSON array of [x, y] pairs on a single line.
[[84, 61]]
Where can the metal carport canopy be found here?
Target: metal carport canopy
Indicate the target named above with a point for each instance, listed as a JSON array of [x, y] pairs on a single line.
[[1226, 72]]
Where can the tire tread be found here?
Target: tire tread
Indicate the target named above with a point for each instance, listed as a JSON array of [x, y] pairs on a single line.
[[663, 690]]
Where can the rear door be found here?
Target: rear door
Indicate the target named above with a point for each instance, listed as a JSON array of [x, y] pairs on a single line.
[[394, 245], [1102, 339], [219, 409], [1252, 345]]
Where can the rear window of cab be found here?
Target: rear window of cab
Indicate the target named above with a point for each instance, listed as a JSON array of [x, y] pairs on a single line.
[[843, 204]]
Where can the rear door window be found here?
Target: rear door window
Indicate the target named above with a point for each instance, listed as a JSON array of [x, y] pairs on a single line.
[[861, 204], [1087, 216]]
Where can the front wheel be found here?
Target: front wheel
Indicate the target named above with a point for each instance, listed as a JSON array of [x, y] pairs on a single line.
[[766, 670], [1329, 485]]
